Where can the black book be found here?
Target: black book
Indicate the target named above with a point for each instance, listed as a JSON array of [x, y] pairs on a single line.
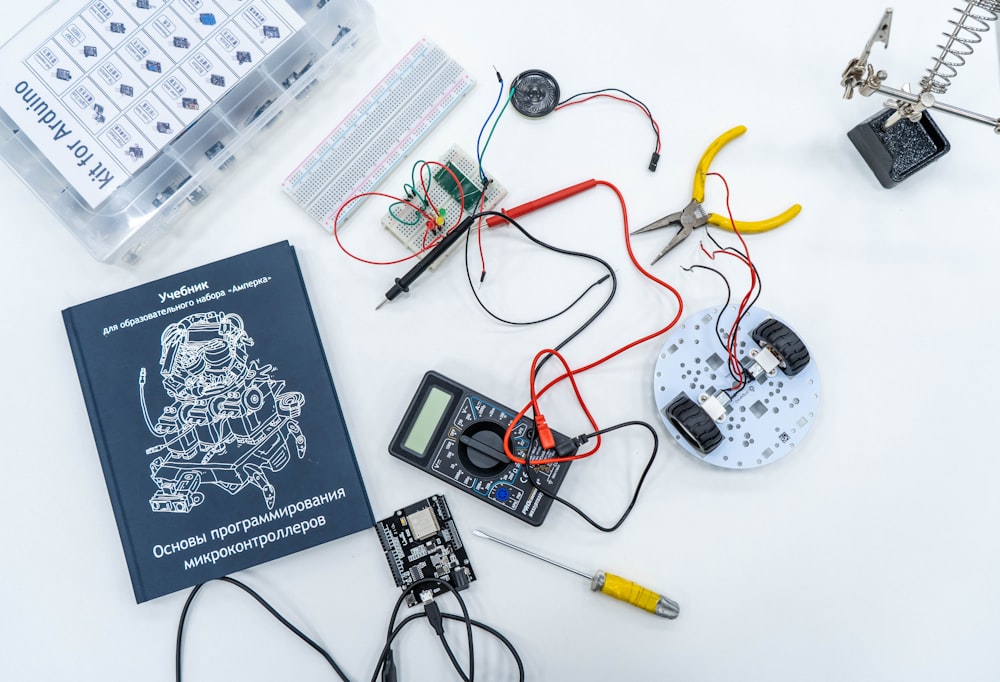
[[216, 420]]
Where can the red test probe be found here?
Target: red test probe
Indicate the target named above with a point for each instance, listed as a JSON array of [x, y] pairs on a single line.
[[542, 202]]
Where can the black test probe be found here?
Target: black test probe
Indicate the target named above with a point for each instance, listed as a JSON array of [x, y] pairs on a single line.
[[403, 283]]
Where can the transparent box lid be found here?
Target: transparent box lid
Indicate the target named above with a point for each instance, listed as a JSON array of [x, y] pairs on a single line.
[[121, 115]]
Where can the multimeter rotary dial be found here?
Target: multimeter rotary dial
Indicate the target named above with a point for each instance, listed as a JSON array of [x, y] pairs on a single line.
[[480, 449]]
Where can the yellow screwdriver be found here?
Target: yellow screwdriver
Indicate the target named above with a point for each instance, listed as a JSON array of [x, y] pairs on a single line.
[[608, 583]]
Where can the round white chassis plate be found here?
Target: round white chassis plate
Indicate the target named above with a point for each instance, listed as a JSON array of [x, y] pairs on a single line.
[[765, 420]]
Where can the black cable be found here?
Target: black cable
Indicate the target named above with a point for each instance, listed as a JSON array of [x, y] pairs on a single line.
[[749, 262], [579, 440], [386, 662], [391, 634], [434, 617], [649, 114], [270, 609], [746, 311], [522, 323], [559, 346], [562, 344], [718, 322], [567, 252], [434, 614], [451, 656], [503, 640], [753, 301], [482, 626]]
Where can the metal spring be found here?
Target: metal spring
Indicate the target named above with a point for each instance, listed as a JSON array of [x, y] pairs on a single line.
[[964, 36]]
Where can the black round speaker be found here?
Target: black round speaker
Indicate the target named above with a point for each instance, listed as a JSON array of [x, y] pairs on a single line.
[[536, 93]]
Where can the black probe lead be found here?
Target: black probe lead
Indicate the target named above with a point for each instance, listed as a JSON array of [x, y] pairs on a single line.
[[566, 449], [566, 252], [403, 283]]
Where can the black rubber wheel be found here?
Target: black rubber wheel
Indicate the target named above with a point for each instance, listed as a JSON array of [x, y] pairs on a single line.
[[694, 424], [784, 343]]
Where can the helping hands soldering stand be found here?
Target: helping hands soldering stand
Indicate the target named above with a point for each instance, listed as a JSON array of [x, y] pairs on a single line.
[[902, 139]]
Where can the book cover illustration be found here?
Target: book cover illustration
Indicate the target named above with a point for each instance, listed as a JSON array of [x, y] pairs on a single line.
[[230, 421], [216, 420]]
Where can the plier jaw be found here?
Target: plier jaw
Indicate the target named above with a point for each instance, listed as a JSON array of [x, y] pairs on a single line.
[[687, 219], [694, 215]]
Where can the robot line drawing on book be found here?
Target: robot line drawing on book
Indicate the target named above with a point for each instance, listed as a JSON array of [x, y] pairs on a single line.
[[230, 420]]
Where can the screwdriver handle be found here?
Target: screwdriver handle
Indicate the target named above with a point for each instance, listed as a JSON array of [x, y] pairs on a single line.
[[634, 594]]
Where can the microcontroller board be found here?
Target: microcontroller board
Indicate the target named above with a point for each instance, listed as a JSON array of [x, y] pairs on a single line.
[[421, 541]]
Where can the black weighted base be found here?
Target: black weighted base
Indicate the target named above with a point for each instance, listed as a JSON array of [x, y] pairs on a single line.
[[902, 150]]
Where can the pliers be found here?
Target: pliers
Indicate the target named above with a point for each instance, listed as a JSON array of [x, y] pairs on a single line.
[[694, 215]]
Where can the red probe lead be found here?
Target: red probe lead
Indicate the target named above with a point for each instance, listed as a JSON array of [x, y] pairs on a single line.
[[541, 202], [571, 373]]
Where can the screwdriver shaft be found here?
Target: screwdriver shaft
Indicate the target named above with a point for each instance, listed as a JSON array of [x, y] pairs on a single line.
[[481, 534], [610, 584]]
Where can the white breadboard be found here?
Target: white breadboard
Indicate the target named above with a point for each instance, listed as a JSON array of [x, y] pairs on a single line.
[[357, 155], [410, 228]]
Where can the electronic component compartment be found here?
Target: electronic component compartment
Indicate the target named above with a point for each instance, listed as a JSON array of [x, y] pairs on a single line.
[[421, 541], [409, 227], [186, 171]]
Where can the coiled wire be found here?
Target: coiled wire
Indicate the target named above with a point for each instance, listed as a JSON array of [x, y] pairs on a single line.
[[973, 20]]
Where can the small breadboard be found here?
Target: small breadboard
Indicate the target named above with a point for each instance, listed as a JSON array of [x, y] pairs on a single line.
[[410, 227], [357, 155], [421, 541]]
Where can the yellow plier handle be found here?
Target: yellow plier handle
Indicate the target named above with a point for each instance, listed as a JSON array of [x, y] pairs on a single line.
[[698, 192], [755, 226]]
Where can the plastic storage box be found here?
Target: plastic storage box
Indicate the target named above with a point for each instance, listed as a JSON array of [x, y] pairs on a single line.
[[121, 115]]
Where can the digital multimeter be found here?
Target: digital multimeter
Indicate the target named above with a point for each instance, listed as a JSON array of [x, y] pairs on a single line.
[[456, 434]]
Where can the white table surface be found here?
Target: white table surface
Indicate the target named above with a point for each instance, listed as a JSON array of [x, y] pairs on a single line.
[[870, 553]]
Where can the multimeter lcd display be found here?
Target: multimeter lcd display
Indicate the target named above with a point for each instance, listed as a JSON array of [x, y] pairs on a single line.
[[427, 420]]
